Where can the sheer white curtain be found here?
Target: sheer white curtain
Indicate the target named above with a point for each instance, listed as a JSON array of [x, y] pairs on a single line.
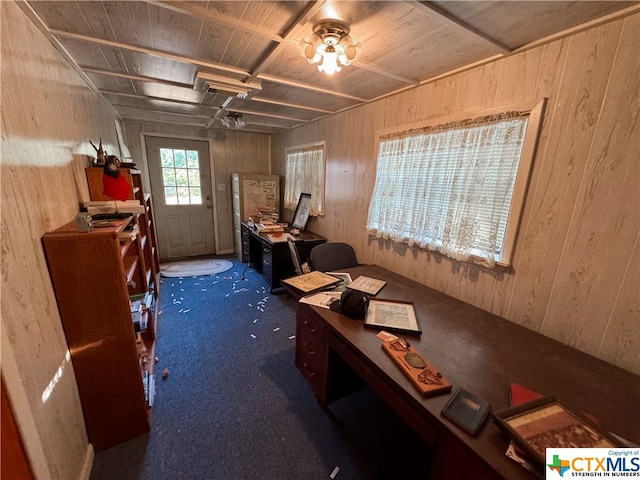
[[305, 174], [448, 188]]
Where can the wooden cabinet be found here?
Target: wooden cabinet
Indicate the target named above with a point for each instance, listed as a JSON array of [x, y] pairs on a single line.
[[97, 276]]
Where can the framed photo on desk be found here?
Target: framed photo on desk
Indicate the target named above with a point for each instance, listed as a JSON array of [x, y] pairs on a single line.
[[303, 210], [545, 423], [393, 315]]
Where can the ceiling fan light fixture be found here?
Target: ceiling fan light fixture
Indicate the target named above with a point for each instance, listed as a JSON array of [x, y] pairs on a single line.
[[329, 64], [233, 119], [330, 46], [239, 121]]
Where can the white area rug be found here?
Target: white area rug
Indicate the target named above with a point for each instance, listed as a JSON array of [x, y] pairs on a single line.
[[194, 268]]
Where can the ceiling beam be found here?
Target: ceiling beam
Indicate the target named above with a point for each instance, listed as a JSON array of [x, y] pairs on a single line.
[[189, 9], [270, 115], [290, 105], [150, 51], [372, 68], [306, 86], [438, 13], [159, 99], [140, 119], [139, 78], [165, 112], [217, 109]]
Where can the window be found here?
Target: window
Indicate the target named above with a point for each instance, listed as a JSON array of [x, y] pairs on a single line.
[[180, 176], [305, 174], [456, 187]]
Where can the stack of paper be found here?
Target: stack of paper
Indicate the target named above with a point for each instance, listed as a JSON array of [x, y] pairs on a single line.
[[112, 206]]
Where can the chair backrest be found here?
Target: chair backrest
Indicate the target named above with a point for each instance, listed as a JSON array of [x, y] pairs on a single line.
[[295, 256], [331, 256]]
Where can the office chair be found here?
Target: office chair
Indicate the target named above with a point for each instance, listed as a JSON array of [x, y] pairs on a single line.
[[331, 256]]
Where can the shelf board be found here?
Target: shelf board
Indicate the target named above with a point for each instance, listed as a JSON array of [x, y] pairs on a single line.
[[124, 246], [130, 265]]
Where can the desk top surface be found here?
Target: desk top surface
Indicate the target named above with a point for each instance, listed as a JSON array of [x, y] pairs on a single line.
[[305, 236], [484, 354]]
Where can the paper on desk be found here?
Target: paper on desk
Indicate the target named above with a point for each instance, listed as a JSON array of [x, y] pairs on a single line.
[[279, 237], [367, 285], [322, 299]]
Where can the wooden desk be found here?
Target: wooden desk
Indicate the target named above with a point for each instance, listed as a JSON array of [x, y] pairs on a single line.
[[273, 258], [473, 349]]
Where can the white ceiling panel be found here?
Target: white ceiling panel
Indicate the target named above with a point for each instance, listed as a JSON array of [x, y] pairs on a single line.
[[145, 56]]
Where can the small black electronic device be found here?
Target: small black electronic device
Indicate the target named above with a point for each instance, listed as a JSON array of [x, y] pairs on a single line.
[[111, 216]]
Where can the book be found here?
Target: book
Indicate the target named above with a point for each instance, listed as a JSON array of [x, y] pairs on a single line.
[[112, 206], [367, 285], [130, 233], [467, 410]]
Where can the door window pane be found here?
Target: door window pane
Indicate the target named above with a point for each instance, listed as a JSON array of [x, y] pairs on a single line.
[[170, 196], [196, 196], [168, 177], [192, 159]]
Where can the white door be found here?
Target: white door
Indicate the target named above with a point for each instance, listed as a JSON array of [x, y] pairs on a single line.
[[181, 189]]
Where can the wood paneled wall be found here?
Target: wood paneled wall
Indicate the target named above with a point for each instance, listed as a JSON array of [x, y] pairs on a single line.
[[49, 115], [576, 269], [233, 151]]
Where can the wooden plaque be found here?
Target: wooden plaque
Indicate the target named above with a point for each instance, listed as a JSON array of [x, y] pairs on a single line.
[[422, 374]]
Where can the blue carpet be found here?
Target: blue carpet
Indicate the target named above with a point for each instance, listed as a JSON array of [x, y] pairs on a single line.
[[234, 406]]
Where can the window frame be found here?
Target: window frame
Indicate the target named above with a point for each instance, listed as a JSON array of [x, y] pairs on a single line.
[[321, 145], [536, 110]]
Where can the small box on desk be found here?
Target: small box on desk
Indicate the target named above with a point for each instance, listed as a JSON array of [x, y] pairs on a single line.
[[467, 410]]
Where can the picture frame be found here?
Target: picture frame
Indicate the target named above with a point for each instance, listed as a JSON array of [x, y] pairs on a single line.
[[547, 423], [303, 210], [345, 280], [311, 282], [392, 315]]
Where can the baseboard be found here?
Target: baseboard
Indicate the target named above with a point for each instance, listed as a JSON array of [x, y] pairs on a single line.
[[89, 455]]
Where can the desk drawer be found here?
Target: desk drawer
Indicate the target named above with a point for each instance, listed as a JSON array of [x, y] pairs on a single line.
[[245, 248], [311, 352], [267, 264]]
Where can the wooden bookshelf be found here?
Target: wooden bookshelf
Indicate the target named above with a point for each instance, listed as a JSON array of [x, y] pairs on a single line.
[[96, 277]]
